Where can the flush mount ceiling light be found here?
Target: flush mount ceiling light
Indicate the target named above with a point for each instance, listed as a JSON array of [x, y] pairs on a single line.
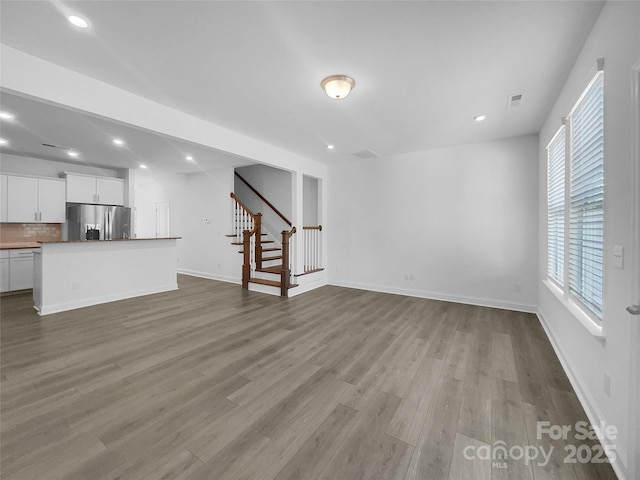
[[118, 142], [143, 166], [77, 21], [479, 118], [189, 158], [330, 147], [73, 154], [338, 86], [6, 116], [4, 141]]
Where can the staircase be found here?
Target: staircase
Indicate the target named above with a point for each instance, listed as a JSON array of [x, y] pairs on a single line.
[[270, 263], [264, 262]]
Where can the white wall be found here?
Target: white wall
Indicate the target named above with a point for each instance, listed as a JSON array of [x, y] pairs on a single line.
[[200, 212], [152, 187], [461, 220], [273, 184], [616, 37], [310, 201]]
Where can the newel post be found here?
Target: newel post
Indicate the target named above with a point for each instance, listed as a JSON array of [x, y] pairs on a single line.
[[246, 265], [284, 272], [257, 227]]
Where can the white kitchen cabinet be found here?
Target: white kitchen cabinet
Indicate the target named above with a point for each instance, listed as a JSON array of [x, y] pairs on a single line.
[[81, 189], [51, 200], [31, 199], [4, 270], [20, 269], [3, 198], [98, 190], [110, 191], [22, 199]]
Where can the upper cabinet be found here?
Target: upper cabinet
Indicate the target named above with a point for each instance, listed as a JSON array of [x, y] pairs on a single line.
[[3, 198], [31, 199], [98, 190]]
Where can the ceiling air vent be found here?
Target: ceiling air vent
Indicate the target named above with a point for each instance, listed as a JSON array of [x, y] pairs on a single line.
[[55, 146], [514, 100], [365, 154]]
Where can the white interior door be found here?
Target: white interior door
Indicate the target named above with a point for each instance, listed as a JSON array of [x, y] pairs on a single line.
[[634, 306], [162, 219]]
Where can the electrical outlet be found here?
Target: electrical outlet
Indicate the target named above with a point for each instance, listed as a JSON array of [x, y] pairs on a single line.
[[607, 384], [517, 287]]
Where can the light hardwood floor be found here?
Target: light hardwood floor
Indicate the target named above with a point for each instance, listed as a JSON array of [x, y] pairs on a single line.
[[210, 382]]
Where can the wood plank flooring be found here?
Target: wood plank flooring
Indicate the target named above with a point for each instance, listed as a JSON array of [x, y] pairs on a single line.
[[212, 382]]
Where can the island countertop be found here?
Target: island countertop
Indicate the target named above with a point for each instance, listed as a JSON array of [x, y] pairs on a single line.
[[18, 245], [112, 240]]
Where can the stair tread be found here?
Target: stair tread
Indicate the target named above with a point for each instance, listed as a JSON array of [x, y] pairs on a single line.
[[273, 249], [277, 257], [272, 283], [273, 269]]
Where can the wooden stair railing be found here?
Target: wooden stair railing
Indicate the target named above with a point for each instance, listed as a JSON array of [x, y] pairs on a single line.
[[285, 272], [247, 227], [312, 244]]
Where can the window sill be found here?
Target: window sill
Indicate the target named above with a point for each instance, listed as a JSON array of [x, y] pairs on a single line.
[[592, 327]]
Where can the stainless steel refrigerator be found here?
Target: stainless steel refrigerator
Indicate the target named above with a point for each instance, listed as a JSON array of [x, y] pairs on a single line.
[[97, 222]]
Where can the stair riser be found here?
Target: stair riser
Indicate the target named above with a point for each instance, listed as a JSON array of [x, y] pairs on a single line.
[[266, 276]]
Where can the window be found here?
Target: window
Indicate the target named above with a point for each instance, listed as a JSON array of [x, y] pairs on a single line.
[[586, 220], [578, 215], [555, 215]]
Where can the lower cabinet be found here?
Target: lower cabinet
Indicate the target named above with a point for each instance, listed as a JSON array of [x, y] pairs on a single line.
[[4, 270], [16, 269]]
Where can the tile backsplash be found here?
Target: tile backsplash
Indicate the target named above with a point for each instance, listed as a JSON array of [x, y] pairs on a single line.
[[29, 232]]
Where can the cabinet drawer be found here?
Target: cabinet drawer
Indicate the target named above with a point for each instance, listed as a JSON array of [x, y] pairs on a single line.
[[21, 253]]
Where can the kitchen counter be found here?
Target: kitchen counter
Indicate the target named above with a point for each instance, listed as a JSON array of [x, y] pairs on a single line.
[[76, 274], [111, 240], [17, 245]]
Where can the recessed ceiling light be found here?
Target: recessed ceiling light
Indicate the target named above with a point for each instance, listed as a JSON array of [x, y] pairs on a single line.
[[6, 116], [78, 21], [479, 118], [73, 154], [142, 165], [330, 147], [118, 142], [4, 141], [189, 158]]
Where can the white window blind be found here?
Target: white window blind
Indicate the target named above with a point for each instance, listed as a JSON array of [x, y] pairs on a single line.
[[586, 219], [555, 206]]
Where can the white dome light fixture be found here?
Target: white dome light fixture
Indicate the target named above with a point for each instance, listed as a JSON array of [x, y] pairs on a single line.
[[338, 86]]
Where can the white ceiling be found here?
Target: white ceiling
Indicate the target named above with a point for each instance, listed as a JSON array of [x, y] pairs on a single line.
[[423, 70], [37, 122]]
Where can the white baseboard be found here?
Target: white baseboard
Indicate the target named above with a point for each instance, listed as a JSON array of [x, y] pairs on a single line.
[[594, 414], [210, 276], [87, 302], [481, 302]]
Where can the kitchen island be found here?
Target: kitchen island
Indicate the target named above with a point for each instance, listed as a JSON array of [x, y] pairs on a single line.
[[75, 274]]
